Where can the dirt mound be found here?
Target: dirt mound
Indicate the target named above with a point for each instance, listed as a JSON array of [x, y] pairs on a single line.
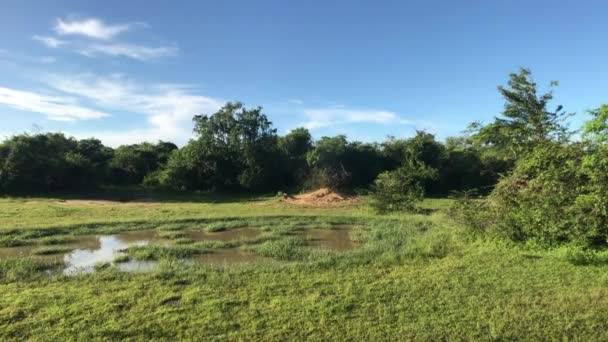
[[320, 198]]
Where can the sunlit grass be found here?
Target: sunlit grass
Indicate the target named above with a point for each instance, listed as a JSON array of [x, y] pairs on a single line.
[[410, 277]]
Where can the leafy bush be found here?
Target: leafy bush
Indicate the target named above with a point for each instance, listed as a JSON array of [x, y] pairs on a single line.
[[556, 194], [401, 189]]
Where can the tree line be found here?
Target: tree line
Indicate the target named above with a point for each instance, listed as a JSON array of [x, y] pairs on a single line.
[[237, 149]]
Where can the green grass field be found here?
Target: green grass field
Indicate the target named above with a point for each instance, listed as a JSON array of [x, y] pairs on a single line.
[[411, 277]]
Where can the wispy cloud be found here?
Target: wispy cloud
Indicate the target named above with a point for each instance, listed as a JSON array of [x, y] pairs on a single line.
[[168, 108], [92, 37], [127, 50], [51, 42], [323, 117], [90, 27], [54, 107]]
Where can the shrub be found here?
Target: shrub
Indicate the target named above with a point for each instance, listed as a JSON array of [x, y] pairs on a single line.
[[401, 189], [556, 194]]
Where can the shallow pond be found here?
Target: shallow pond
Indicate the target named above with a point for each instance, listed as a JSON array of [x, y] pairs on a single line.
[[333, 239], [225, 235], [83, 260], [82, 253]]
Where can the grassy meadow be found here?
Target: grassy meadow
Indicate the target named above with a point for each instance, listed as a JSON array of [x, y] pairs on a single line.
[[410, 276]]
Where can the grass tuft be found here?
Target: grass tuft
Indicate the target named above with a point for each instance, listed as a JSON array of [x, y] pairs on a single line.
[[50, 250]]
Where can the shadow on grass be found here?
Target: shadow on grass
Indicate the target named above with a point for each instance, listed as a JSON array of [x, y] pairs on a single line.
[[143, 195]]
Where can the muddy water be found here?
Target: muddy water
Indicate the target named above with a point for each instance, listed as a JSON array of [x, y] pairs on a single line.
[[89, 251], [332, 239], [82, 242], [226, 235]]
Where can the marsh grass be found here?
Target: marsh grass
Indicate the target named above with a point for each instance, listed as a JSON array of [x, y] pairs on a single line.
[[156, 252], [223, 225], [171, 234], [11, 241], [23, 269], [50, 250], [286, 249], [102, 266], [121, 258], [55, 240]]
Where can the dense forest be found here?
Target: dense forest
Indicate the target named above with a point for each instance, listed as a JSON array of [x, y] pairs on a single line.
[[544, 181]]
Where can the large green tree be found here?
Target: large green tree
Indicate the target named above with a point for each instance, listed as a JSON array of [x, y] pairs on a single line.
[[235, 148], [526, 120]]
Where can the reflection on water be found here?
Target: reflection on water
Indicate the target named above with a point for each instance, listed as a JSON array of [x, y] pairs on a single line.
[[89, 251], [84, 260]]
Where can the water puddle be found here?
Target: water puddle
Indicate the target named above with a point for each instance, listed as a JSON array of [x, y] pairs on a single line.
[[84, 253], [332, 239], [82, 242], [84, 260], [226, 235]]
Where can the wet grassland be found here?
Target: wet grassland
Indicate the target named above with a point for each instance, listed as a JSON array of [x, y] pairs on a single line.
[[259, 269]]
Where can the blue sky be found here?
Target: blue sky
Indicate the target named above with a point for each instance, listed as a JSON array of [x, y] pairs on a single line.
[[128, 71]]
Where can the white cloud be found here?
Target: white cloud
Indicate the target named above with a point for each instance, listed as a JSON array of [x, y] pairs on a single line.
[[169, 108], [128, 50], [51, 42], [100, 40], [54, 107], [89, 27], [323, 117]]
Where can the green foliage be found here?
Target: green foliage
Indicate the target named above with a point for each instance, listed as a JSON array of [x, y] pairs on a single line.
[[49, 162], [236, 148], [526, 121], [131, 164], [596, 130], [555, 194], [327, 159], [401, 189], [342, 165], [294, 147]]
